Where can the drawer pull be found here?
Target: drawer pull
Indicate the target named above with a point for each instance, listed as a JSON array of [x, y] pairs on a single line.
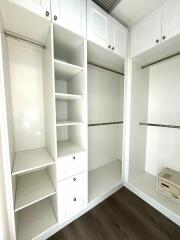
[[74, 179], [74, 199], [74, 157]]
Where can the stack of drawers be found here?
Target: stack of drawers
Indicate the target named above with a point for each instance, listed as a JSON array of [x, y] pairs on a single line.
[[72, 185]]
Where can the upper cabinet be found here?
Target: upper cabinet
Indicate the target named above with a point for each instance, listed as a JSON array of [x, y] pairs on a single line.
[[104, 30], [158, 27], [171, 19], [39, 7], [118, 38], [98, 25], [147, 33], [70, 14]]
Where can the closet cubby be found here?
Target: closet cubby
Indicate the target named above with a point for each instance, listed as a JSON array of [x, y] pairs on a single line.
[[35, 220], [155, 134]]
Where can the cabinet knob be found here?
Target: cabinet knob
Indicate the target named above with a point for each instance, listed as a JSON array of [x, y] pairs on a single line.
[[55, 17], [47, 13], [113, 48], [74, 157], [109, 46], [164, 37], [157, 40], [74, 199], [74, 179]]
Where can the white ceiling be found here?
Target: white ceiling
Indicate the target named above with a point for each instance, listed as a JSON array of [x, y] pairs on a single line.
[[131, 12]]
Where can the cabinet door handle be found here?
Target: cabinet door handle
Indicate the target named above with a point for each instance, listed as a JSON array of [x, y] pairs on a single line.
[[55, 17], [157, 40], [109, 46], [47, 13], [74, 199], [113, 48], [74, 179], [164, 37], [74, 157]]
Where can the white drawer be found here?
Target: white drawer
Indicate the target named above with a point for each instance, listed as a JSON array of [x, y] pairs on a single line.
[[71, 165], [72, 196]]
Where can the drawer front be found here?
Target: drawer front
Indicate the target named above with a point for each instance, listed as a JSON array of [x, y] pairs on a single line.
[[71, 165], [72, 196]]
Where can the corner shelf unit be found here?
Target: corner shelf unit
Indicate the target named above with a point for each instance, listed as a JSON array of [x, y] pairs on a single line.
[[33, 187], [35, 220], [31, 160]]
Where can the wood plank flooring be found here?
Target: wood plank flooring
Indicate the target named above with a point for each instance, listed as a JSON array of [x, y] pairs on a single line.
[[123, 216]]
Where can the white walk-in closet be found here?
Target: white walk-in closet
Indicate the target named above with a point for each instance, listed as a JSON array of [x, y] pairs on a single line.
[[87, 106]]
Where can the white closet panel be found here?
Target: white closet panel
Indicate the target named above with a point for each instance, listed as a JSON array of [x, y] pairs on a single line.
[[27, 95]]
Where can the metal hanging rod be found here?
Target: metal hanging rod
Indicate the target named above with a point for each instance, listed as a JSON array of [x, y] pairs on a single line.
[[101, 124], [24, 39], [105, 68], [159, 125], [161, 60]]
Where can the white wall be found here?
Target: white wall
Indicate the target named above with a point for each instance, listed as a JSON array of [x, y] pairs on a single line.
[[105, 104], [163, 144], [4, 229]]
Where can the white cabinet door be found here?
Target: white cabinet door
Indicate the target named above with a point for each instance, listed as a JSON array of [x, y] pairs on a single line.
[[171, 19], [147, 33], [118, 38], [70, 14], [98, 29], [40, 7]]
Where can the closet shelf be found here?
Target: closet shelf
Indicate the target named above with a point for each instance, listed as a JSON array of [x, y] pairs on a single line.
[[35, 220], [104, 179], [159, 125], [32, 188], [62, 123], [65, 71], [64, 96], [147, 184], [31, 160], [66, 148]]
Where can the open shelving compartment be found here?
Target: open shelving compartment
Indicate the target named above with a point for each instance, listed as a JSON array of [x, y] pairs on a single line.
[[70, 91], [155, 120], [105, 132], [29, 92]]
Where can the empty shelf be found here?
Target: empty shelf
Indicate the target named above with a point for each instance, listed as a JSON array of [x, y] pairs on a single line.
[[65, 71], [66, 148], [147, 184], [35, 220], [30, 160], [32, 188], [67, 123], [104, 179], [63, 96]]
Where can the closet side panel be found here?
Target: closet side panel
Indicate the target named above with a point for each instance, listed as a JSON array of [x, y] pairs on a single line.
[[27, 95], [163, 144], [139, 104], [49, 96]]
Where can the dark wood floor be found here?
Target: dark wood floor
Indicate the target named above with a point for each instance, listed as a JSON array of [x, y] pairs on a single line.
[[123, 216]]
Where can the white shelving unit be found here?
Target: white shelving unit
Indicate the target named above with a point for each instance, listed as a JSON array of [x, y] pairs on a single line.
[[35, 220], [66, 148], [32, 188], [64, 70], [104, 179], [31, 160], [69, 97]]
